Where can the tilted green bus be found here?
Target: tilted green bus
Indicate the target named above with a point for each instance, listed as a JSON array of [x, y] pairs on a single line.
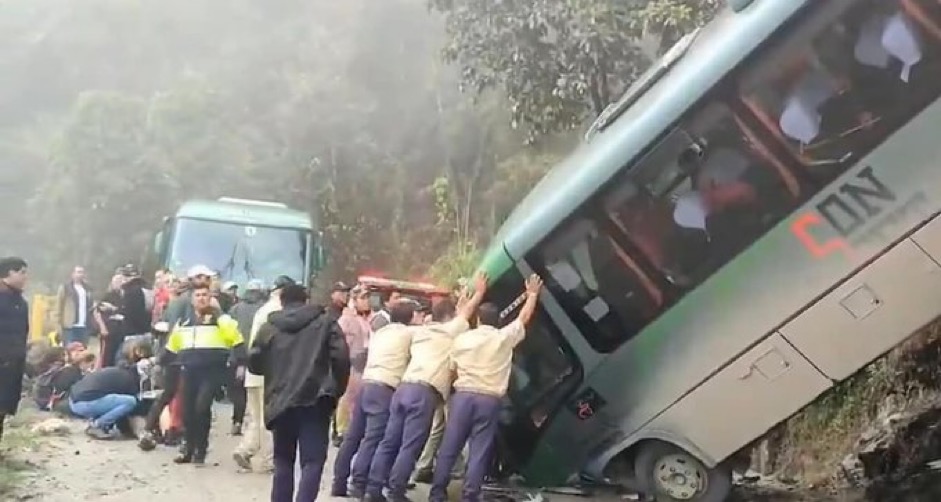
[[241, 239], [751, 223]]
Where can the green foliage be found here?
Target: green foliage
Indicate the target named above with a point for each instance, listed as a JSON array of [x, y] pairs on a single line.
[[457, 262], [560, 62]]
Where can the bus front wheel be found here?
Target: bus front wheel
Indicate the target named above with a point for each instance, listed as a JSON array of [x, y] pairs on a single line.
[[671, 474]]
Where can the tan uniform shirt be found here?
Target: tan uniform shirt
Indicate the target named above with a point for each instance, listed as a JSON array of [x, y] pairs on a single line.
[[483, 358], [261, 317], [388, 354], [431, 354]]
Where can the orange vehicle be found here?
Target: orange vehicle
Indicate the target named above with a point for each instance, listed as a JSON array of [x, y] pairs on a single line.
[[426, 294]]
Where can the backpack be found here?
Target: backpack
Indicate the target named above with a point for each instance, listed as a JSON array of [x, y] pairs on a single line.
[[44, 392]]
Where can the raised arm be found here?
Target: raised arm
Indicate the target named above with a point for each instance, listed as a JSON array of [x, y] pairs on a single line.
[[533, 287], [467, 306]]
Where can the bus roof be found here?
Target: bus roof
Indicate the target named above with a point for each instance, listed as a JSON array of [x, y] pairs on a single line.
[[718, 48], [246, 213]]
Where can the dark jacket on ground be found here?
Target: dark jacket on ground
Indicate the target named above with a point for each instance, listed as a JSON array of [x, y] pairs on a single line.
[[98, 384], [303, 355], [14, 335]]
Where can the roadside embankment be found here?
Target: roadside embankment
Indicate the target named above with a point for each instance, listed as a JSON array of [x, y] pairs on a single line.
[[875, 433]]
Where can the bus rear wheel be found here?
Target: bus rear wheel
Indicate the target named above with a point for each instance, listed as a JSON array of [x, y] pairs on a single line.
[[670, 474]]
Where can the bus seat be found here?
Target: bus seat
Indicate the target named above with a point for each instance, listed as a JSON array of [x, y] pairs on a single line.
[[790, 181]]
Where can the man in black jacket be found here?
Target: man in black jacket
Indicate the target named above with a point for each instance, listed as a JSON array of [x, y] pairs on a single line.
[[14, 334], [106, 397], [303, 355]]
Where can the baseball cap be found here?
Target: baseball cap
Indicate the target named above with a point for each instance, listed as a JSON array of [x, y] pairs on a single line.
[[130, 270], [282, 281], [340, 286], [199, 270], [255, 285]]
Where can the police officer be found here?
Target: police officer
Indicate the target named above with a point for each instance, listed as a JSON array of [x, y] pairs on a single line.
[[482, 359], [203, 345], [386, 362]]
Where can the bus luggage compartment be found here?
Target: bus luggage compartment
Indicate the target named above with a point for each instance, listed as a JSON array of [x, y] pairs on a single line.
[[872, 312]]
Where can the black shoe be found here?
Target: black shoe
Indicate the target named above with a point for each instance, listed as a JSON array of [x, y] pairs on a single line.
[[98, 433], [184, 458], [424, 477], [356, 492], [148, 442]]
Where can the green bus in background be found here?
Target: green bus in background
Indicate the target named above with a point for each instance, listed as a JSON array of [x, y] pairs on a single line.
[[241, 239], [752, 222]]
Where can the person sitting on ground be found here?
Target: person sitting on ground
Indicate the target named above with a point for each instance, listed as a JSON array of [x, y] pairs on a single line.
[[51, 389], [107, 397]]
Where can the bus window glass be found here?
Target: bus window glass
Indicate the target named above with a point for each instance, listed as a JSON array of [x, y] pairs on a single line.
[[598, 283], [848, 74], [726, 190], [701, 202], [238, 252]]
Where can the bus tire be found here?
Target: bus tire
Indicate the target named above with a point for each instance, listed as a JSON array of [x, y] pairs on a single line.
[[670, 474]]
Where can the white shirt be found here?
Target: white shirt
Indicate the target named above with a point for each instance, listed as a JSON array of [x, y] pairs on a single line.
[[81, 305]]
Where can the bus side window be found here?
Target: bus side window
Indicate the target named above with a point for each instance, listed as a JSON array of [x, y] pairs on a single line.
[[598, 283], [844, 77], [706, 201]]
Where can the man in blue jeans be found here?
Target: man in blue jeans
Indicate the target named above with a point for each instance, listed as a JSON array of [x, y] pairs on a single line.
[[107, 397]]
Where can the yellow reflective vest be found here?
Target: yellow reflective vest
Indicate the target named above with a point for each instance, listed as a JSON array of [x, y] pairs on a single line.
[[209, 342]]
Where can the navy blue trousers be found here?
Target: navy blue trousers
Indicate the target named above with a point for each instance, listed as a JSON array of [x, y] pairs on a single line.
[[472, 419], [367, 427], [410, 417]]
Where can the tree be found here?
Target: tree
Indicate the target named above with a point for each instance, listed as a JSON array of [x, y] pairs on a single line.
[[560, 62]]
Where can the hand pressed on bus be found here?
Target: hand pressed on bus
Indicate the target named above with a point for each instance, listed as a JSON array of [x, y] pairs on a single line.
[[533, 287], [468, 305]]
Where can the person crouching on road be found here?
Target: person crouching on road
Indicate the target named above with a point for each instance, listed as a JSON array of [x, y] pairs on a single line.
[[202, 345], [108, 396], [425, 385], [482, 359], [387, 358], [306, 364]]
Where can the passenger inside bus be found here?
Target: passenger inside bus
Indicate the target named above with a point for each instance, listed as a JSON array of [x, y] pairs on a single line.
[[864, 72]]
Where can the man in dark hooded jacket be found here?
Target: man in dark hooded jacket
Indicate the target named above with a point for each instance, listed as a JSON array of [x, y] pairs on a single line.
[[14, 332], [306, 364]]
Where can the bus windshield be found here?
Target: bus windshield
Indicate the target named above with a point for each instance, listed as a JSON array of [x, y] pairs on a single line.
[[237, 251]]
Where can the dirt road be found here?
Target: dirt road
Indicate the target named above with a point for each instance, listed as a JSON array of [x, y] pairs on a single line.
[[73, 468]]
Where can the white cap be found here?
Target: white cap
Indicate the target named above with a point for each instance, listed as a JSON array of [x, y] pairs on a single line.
[[198, 270]]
